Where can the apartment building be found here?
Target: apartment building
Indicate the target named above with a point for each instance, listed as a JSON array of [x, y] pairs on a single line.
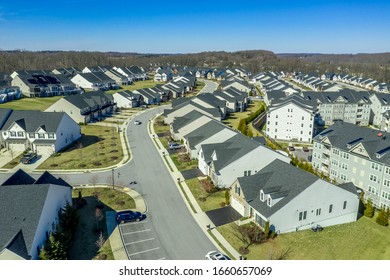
[[349, 153]]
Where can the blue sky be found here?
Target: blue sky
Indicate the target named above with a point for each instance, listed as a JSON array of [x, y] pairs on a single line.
[[193, 26]]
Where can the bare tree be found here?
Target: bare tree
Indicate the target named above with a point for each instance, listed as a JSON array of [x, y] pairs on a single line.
[[248, 235], [100, 242], [281, 255], [94, 179]]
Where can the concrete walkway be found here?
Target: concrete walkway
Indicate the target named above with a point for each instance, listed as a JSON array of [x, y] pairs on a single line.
[[200, 217]]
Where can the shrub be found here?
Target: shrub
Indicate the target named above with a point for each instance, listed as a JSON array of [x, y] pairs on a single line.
[[369, 211], [382, 218]]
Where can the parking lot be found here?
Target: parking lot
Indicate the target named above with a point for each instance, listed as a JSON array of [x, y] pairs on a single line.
[[140, 241]]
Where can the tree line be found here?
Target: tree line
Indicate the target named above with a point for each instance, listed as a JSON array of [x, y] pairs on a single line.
[[376, 66]]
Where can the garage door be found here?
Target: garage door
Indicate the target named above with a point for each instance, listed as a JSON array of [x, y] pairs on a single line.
[[238, 206], [44, 149], [16, 147]]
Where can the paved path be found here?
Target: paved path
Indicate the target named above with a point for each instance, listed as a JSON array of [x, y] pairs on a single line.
[[210, 86]]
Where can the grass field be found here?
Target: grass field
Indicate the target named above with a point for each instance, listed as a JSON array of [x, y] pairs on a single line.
[[40, 104], [137, 85], [362, 240], [213, 201], [99, 147]]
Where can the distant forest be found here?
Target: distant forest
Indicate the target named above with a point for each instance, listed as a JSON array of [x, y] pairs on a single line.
[[376, 66]]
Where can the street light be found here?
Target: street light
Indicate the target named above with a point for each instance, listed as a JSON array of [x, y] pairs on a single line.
[[112, 178]]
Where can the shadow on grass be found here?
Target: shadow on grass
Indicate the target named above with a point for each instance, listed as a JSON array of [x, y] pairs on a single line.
[[85, 141], [88, 230]]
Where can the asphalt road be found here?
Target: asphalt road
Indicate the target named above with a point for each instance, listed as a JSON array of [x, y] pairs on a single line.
[[209, 87], [178, 234]]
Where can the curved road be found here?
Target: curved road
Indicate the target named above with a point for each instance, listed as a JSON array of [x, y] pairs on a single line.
[[179, 235]]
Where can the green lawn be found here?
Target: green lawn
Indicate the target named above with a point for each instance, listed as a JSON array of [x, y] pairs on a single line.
[[41, 103], [100, 146], [137, 85], [362, 240], [160, 126], [183, 165], [234, 118], [213, 201], [113, 199]]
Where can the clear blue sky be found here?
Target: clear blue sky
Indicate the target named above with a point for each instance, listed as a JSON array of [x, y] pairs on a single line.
[[172, 26]]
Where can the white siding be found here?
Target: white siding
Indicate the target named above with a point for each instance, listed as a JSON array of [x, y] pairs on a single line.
[[67, 132]]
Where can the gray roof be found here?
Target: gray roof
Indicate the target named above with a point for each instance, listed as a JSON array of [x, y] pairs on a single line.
[[4, 113], [346, 136], [180, 122], [89, 99], [204, 132], [383, 98], [21, 209], [19, 178], [280, 180], [32, 120]]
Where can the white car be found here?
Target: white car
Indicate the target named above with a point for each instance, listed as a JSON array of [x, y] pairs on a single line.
[[137, 122], [215, 255]]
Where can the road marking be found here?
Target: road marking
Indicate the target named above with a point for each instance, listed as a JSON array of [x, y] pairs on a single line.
[[144, 251], [136, 231], [161, 259], [139, 241], [134, 223]]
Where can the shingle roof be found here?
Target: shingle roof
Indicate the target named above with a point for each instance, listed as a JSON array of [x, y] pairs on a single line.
[[88, 99], [32, 120], [180, 122], [17, 245], [204, 132], [19, 178], [279, 179]]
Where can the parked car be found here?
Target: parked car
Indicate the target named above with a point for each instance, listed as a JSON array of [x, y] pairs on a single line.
[[305, 149], [137, 122], [129, 216], [291, 148], [28, 158], [215, 255], [175, 146]]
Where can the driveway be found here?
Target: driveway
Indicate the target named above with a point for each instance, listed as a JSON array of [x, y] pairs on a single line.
[[191, 173], [305, 156], [223, 216], [32, 166]]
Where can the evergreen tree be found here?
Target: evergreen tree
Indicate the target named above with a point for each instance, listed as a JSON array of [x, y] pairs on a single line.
[[266, 230], [249, 133], [43, 255], [382, 218], [369, 211], [227, 197]]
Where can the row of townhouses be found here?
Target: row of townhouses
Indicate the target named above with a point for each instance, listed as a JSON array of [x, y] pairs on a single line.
[[365, 83], [314, 82]]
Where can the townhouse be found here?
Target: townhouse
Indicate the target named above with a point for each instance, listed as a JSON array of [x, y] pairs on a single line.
[[236, 101], [235, 157], [380, 104], [85, 107], [128, 99], [349, 153], [94, 81], [133, 73], [187, 123], [291, 199], [42, 132]]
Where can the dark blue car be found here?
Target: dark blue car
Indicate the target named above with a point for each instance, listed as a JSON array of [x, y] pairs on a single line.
[[129, 216]]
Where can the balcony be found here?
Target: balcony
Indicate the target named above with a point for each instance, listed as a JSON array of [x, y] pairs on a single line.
[[326, 152]]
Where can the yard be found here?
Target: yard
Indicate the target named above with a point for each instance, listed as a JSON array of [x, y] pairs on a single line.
[[84, 247], [234, 118], [212, 200], [183, 162], [26, 103], [362, 240], [99, 146], [137, 85]]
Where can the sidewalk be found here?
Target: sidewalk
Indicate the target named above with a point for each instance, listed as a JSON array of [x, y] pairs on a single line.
[[200, 217]]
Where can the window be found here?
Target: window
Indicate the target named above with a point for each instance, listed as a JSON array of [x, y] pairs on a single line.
[[343, 177], [386, 195], [276, 116], [238, 190], [373, 178], [249, 173], [344, 166], [372, 190], [41, 135], [51, 135], [13, 133], [335, 152], [276, 123], [276, 130], [269, 201], [376, 166], [302, 215], [261, 196], [301, 124], [31, 135], [387, 170], [303, 118], [330, 208], [344, 204], [318, 212], [245, 173], [386, 183], [20, 134]]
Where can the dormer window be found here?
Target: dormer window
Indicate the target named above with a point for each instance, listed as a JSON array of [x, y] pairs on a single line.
[[269, 201], [261, 195]]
